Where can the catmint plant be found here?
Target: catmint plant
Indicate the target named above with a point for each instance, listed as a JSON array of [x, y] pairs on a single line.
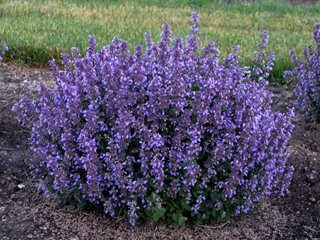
[[169, 132], [3, 50], [263, 62], [306, 73]]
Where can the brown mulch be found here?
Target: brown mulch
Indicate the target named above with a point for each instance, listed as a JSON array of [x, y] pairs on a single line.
[[26, 214]]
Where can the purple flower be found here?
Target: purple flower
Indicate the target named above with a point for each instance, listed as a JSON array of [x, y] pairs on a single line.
[[172, 121]]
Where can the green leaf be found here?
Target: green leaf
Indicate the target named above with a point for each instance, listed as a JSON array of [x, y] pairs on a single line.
[[201, 218], [155, 213], [185, 206], [152, 198], [82, 204], [194, 118], [222, 216], [178, 220], [195, 87]]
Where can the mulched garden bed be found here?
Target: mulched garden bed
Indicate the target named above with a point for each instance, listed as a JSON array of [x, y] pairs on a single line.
[[25, 213]]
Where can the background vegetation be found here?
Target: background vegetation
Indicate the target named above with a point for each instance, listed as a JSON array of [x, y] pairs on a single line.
[[38, 30]]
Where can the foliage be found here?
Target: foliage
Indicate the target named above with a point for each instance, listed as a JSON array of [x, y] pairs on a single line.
[[170, 133], [307, 75]]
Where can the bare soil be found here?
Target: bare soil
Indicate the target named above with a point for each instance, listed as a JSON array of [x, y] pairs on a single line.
[[25, 213]]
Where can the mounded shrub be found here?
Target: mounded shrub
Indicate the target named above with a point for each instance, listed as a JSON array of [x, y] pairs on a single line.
[[170, 133], [307, 75]]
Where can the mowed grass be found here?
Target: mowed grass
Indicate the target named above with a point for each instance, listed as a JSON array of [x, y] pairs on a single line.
[[39, 30]]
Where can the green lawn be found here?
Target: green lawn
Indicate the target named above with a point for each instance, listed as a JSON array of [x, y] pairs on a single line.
[[38, 30]]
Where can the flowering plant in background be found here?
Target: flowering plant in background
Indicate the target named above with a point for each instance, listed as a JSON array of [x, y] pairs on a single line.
[[263, 62], [170, 132], [3, 50], [307, 74]]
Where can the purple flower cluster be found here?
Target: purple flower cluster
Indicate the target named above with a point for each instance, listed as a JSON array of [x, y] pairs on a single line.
[[136, 131], [307, 74]]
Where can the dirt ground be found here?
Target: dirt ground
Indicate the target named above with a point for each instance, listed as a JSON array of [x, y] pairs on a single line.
[[26, 214]]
